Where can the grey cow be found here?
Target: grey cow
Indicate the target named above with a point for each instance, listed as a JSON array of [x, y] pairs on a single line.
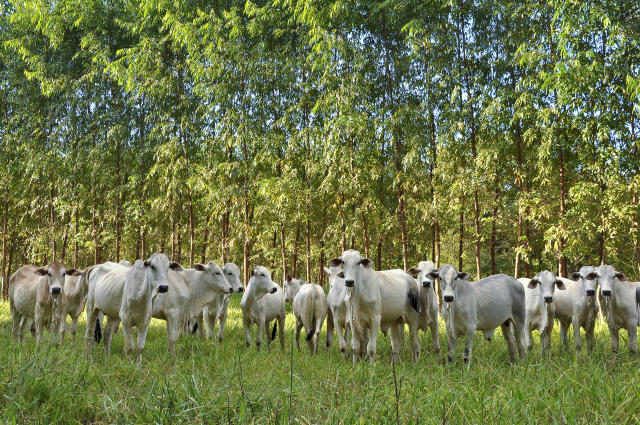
[[620, 305]]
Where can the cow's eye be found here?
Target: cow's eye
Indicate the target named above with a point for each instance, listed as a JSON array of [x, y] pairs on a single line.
[[64, 274], [153, 267]]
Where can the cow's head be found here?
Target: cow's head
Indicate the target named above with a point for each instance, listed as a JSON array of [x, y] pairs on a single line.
[[423, 273], [547, 282], [352, 264], [261, 281], [608, 277], [448, 276], [232, 273], [56, 273], [335, 275], [213, 277], [157, 272], [291, 288], [587, 276]]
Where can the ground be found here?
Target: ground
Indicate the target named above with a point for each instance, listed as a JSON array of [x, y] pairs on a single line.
[[208, 382]]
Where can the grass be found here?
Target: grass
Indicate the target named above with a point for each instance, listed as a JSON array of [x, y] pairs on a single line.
[[207, 382]]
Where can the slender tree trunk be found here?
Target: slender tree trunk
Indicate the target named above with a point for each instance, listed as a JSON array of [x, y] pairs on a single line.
[[283, 252], [562, 260], [173, 229], [493, 231], [461, 241], [117, 199], [635, 223], [307, 241], [65, 239], [205, 239], [4, 273], [94, 223], [366, 232], [521, 186], [225, 231], [53, 222], [294, 256], [321, 275], [379, 253]]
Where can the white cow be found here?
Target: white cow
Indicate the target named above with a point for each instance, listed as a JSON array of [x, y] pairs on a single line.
[[262, 302], [126, 294], [484, 305], [217, 309], [540, 307], [428, 300], [379, 298], [621, 304], [577, 306], [310, 308], [75, 298], [98, 331], [36, 295], [189, 291], [339, 313]]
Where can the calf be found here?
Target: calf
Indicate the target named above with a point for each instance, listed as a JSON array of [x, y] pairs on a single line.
[[189, 291], [75, 298], [262, 302], [577, 306], [620, 305], [217, 309], [339, 313], [36, 295], [379, 298], [310, 308], [126, 294], [428, 300], [494, 301], [540, 308]]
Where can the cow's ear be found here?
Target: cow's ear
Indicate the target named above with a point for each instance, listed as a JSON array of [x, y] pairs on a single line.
[[413, 271], [73, 272], [435, 273], [560, 284], [621, 276], [336, 262], [575, 275], [147, 263], [175, 266], [533, 283], [463, 275], [326, 269], [341, 275], [199, 267], [592, 275], [42, 271], [289, 278], [252, 273], [365, 262]]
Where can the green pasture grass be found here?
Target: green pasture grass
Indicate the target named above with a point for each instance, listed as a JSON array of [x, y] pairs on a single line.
[[208, 382]]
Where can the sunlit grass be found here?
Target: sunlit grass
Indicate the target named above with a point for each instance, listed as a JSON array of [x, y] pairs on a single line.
[[229, 383]]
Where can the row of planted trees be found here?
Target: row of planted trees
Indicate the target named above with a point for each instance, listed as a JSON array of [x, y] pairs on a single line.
[[498, 136]]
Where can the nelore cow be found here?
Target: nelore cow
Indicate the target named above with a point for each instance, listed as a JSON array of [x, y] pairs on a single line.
[[621, 300], [577, 306], [75, 298], [126, 294], [484, 305], [540, 293], [339, 313], [385, 298], [428, 300], [216, 310], [189, 291], [262, 302], [310, 308], [36, 294]]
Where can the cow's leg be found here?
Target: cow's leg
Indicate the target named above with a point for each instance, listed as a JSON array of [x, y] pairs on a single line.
[[632, 330], [507, 332], [330, 327], [468, 346], [15, 321], [39, 324], [172, 334], [92, 315], [577, 340], [588, 332], [615, 343], [373, 337], [394, 333], [109, 330], [355, 344], [519, 335], [223, 319], [210, 322], [261, 329], [563, 334], [414, 341], [200, 323], [281, 320], [297, 333], [435, 335], [247, 331], [142, 338], [127, 333], [452, 342], [267, 334], [74, 329], [340, 332]]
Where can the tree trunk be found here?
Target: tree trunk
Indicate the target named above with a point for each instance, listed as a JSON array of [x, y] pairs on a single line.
[[294, 256], [53, 222], [4, 273], [562, 260], [205, 239], [117, 199], [65, 238], [461, 241], [94, 224], [225, 231], [283, 252], [366, 232], [636, 221], [379, 254], [307, 241], [493, 231]]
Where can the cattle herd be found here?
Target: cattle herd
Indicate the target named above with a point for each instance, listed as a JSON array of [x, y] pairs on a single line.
[[360, 303]]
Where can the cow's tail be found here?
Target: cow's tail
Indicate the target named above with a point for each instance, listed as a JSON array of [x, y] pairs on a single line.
[[308, 313], [414, 298], [274, 330], [638, 302]]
